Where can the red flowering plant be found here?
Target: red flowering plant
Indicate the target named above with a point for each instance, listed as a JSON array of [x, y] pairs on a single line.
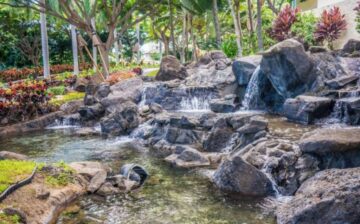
[[23, 100], [330, 26], [281, 29]]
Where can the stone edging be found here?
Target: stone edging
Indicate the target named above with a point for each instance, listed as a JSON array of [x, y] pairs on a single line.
[[17, 185]]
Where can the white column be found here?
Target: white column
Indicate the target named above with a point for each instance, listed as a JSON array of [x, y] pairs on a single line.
[[138, 39], [44, 44], [75, 50]]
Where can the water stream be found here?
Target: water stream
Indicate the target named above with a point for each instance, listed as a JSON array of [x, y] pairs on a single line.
[[170, 196], [251, 97]]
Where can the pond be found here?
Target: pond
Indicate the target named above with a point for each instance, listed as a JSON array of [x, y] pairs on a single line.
[[170, 195]]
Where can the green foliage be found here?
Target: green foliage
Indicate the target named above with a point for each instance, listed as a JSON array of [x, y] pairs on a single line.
[[60, 100], [56, 90], [12, 171], [304, 27], [229, 46], [9, 219]]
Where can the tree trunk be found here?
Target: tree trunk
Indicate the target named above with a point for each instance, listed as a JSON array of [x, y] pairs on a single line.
[[44, 44], [259, 26], [94, 50], [139, 43], [215, 12], [184, 37], [250, 14], [193, 39], [237, 26], [172, 27], [104, 57], [116, 45], [74, 50]]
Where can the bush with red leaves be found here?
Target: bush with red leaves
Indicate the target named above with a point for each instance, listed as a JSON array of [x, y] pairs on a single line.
[[137, 70], [23, 100], [281, 29], [330, 26]]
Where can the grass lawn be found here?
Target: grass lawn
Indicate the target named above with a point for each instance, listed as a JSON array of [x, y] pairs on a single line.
[[12, 171], [152, 73], [60, 100]]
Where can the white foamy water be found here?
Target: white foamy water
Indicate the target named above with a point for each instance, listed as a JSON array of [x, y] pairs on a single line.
[[195, 104]]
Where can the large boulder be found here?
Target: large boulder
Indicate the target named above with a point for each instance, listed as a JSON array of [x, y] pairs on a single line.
[[288, 67], [12, 156], [335, 148], [351, 46], [234, 175], [244, 67], [122, 121], [342, 81], [306, 109], [127, 90], [331, 196], [171, 68]]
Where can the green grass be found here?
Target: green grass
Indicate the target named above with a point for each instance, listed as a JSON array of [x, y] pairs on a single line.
[[152, 73], [12, 171], [60, 100], [9, 219]]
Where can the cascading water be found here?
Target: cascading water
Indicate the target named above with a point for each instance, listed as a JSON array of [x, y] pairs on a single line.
[[195, 104], [251, 99]]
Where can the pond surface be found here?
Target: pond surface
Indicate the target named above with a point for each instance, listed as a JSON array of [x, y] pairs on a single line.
[[169, 196]]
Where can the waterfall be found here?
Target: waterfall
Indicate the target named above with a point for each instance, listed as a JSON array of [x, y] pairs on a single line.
[[194, 103], [63, 124], [251, 98]]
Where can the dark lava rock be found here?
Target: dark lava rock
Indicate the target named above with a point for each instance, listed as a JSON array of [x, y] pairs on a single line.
[[93, 112], [234, 175], [306, 109], [335, 148], [72, 106], [348, 110], [342, 81], [244, 67], [288, 67], [351, 46], [331, 196], [181, 136], [171, 68], [317, 49], [219, 137], [89, 100], [122, 121], [103, 90], [81, 84], [222, 105]]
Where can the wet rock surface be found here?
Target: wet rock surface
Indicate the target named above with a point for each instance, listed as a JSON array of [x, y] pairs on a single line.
[[331, 196], [171, 68]]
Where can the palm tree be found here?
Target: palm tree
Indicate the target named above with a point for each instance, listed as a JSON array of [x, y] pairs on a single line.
[[44, 44], [75, 49]]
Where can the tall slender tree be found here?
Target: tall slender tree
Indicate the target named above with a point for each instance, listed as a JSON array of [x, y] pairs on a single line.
[[215, 12], [234, 7], [259, 26], [75, 49]]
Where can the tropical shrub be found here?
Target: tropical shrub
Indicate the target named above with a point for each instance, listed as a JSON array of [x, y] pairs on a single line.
[[56, 90], [304, 28], [229, 46], [23, 100], [281, 28], [332, 22]]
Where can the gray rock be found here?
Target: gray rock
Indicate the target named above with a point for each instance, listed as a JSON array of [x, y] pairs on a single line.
[[331, 196], [348, 110], [107, 189], [103, 90], [12, 156], [89, 100], [244, 67], [122, 121], [351, 46], [155, 108], [81, 84], [288, 67], [97, 181], [171, 68], [181, 136], [222, 105], [236, 176], [342, 81], [93, 112], [72, 106], [189, 158], [317, 49], [306, 109]]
